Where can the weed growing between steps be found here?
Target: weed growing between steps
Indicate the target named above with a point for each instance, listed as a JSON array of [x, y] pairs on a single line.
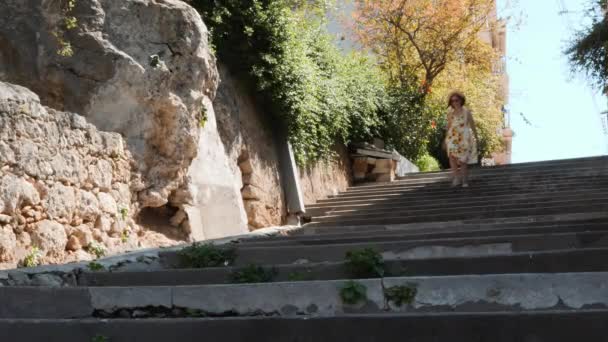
[[96, 249], [401, 295], [300, 276], [100, 338], [366, 263], [353, 293], [32, 259], [95, 266], [253, 274], [203, 256]]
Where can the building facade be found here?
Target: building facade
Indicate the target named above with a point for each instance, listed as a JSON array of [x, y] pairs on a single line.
[[495, 35]]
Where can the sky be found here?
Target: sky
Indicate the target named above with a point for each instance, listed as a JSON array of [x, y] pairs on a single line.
[[563, 110]]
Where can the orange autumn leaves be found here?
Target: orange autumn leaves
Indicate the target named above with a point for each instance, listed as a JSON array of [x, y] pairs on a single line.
[[421, 37]]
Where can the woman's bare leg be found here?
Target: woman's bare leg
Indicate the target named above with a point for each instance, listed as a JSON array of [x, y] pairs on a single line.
[[454, 167], [464, 169]]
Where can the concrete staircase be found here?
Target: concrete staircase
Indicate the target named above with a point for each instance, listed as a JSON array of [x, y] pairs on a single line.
[[521, 255]]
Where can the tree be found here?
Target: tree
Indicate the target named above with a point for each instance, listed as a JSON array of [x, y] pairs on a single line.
[[423, 36], [589, 50]]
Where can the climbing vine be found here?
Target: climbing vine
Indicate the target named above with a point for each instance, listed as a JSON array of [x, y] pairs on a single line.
[[67, 22], [319, 94]]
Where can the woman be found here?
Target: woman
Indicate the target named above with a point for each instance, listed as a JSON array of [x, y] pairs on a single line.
[[461, 139]]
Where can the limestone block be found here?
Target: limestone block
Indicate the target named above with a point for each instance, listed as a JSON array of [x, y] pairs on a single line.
[[258, 214], [8, 243], [383, 166], [50, 237], [88, 206], [15, 192], [60, 201], [100, 174], [251, 192], [107, 203]]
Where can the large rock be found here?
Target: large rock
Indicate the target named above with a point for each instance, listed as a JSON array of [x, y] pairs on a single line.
[[112, 80], [50, 237], [216, 208], [46, 189], [8, 244]]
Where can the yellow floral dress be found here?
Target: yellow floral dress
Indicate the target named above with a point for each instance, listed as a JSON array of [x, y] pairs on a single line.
[[460, 141]]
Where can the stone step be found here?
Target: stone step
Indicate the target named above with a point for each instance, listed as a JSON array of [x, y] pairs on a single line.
[[595, 162], [391, 235], [446, 187], [455, 225], [540, 326], [462, 293], [554, 261], [477, 187], [405, 216], [480, 177], [398, 204], [413, 249], [460, 193]]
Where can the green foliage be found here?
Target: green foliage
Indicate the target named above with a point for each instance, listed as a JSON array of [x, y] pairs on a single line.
[[98, 250], [353, 293], [427, 163], [589, 50], [366, 263], [155, 61], [253, 274], [32, 259], [124, 237], [299, 276], [100, 338], [319, 94], [202, 256], [124, 213], [202, 121], [407, 119], [401, 294], [67, 22], [95, 266]]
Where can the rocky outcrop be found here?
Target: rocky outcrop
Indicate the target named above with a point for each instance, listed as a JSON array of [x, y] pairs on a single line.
[[65, 187], [141, 68]]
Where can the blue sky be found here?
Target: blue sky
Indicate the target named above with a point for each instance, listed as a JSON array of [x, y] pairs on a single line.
[[563, 110]]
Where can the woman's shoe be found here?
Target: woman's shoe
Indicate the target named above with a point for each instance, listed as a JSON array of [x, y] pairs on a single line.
[[455, 182], [465, 185]]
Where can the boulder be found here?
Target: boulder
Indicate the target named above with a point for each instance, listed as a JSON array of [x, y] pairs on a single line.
[[50, 237], [111, 79]]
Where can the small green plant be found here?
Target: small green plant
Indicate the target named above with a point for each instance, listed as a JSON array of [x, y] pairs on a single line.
[[253, 274], [404, 294], [98, 250], [299, 276], [100, 338], [95, 266], [366, 263], [155, 61], [203, 119], [124, 237], [124, 213], [353, 293], [201, 256], [194, 313], [426, 163], [68, 22], [32, 259]]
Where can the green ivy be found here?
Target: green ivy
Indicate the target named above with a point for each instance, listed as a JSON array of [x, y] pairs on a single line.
[[319, 94]]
